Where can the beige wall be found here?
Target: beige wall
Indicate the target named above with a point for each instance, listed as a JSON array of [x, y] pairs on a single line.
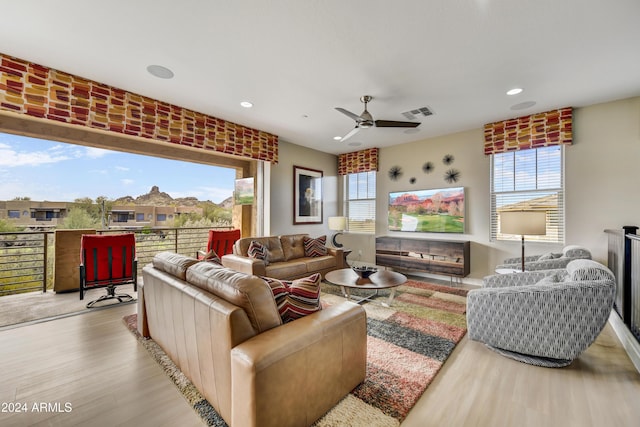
[[601, 171], [291, 155]]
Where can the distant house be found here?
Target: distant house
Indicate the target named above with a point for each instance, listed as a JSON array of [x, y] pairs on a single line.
[[30, 214], [48, 215], [147, 216]]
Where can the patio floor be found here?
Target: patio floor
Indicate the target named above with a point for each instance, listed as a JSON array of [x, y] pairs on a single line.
[[33, 307]]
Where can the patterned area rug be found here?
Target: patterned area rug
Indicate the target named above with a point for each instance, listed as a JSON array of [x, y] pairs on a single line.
[[407, 345]]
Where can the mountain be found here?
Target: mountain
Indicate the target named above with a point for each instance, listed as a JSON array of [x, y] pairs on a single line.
[[155, 197]]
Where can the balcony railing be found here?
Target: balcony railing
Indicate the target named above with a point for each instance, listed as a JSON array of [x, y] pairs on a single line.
[[27, 258]]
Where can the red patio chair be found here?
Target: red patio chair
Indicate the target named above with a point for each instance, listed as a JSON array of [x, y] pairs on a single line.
[[221, 242], [107, 261]]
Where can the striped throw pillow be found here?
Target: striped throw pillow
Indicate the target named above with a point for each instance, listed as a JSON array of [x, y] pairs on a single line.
[[258, 251], [315, 247], [296, 298], [212, 256]]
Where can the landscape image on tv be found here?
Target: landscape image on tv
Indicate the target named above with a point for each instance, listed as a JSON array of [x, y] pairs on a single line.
[[430, 211]]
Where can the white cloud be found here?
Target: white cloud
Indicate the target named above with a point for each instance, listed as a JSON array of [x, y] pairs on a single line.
[[95, 153], [12, 158], [121, 168], [127, 181]]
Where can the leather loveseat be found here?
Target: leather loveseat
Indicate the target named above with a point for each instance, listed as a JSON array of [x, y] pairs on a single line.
[[223, 331], [286, 258]]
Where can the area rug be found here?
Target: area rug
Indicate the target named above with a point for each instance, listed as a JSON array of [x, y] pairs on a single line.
[[407, 345]]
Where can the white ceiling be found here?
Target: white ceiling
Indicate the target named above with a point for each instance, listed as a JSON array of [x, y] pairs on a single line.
[[298, 60]]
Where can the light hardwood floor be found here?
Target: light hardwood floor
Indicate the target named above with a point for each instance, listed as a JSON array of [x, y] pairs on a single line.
[[92, 362]]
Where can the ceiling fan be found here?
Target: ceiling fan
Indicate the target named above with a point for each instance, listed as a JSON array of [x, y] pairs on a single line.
[[365, 120]]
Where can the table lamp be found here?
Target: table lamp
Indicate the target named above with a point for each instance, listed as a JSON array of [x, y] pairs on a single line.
[[529, 223], [339, 224]]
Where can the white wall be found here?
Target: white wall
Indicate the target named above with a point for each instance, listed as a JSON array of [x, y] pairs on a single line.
[[601, 172], [603, 167], [290, 155]]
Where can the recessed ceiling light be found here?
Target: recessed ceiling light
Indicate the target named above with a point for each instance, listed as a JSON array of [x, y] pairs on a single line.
[[514, 91], [337, 138], [246, 104], [160, 71]]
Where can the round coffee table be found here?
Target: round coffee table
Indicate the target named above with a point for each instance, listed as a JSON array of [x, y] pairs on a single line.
[[348, 279]]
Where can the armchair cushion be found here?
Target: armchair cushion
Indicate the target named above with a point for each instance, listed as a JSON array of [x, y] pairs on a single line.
[[315, 247], [549, 255], [296, 298]]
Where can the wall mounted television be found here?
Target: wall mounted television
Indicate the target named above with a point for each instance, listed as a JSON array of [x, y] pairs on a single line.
[[438, 210]]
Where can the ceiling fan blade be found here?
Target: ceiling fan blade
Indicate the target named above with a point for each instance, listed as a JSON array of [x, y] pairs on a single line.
[[355, 117], [350, 134], [394, 124]]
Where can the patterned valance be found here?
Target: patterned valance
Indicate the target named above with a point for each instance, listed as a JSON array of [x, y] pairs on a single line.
[[358, 161], [37, 91], [534, 131]]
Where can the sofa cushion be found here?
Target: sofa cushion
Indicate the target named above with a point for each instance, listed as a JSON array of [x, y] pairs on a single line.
[[292, 246], [296, 298], [250, 293], [258, 251], [174, 264], [272, 243], [293, 268], [315, 247], [320, 263]]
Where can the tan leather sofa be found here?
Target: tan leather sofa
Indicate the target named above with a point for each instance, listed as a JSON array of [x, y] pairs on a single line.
[[223, 330], [286, 258]]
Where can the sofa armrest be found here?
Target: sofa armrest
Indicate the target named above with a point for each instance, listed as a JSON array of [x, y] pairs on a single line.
[[292, 374], [244, 264], [339, 254]]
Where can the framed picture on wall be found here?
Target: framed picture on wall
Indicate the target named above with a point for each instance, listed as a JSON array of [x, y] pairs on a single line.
[[307, 196], [244, 191]]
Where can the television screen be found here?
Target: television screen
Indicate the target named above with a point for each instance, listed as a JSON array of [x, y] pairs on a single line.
[[429, 211]]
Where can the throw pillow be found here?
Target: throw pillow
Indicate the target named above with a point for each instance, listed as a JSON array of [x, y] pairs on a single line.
[[258, 251], [315, 247], [296, 298], [212, 256]]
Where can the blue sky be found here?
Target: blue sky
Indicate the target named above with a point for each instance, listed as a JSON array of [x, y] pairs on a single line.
[[54, 171]]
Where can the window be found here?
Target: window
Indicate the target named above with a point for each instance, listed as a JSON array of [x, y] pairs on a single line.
[[361, 201], [161, 217], [529, 180], [140, 217], [14, 214]]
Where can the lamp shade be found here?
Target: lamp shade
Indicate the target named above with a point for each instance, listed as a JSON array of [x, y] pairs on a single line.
[[337, 223], [524, 223]]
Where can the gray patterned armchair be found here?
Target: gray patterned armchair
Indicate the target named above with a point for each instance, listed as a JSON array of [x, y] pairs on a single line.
[[544, 318], [549, 260]]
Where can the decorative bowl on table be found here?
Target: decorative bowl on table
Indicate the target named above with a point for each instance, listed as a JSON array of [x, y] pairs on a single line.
[[364, 271]]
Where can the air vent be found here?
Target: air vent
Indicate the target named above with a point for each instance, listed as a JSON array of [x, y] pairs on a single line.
[[417, 113]]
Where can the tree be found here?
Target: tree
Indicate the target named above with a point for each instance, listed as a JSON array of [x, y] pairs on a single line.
[[6, 226], [78, 218]]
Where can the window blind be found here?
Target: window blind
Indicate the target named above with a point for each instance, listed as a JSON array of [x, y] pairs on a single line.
[[529, 180]]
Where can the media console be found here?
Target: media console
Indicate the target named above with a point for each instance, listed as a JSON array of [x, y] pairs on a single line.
[[448, 257]]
